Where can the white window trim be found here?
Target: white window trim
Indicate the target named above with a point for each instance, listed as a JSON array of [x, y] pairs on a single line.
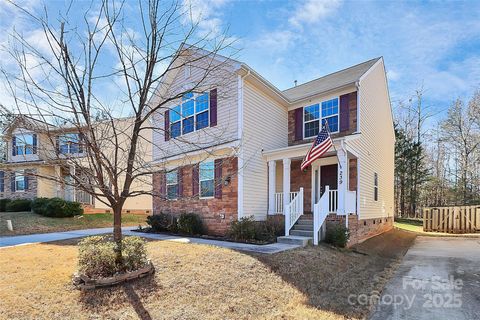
[[18, 173], [320, 118], [200, 181], [20, 137], [195, 113], [69, 145], [171, 184]]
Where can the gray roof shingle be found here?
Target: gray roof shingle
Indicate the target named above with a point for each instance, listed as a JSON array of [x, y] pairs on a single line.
[[330, 81]]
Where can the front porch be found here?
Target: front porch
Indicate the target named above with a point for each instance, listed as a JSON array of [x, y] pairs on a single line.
[[307, 197], [66, 188]]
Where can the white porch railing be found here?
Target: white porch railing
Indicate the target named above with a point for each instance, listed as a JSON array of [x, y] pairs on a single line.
[[279, 201], [333, 199], [83, 197], [293, 211], [321, 209]]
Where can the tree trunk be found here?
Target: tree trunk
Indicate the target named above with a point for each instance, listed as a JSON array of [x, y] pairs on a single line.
[[117, 232]]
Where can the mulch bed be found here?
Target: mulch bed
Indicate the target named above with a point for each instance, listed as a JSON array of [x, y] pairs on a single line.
[[208, 237]]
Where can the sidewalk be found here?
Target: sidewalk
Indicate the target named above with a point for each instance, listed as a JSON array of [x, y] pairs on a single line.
[[55, 236]]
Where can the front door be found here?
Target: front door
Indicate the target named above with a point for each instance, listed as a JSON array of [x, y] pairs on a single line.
[[328, 177]]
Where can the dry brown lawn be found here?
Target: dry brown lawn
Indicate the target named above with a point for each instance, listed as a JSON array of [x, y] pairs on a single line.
[[195, 282], [29, 222]]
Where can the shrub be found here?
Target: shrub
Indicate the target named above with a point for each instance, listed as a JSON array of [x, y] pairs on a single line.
[[39, 206], [3, 204], [162, 222], [134, 253], [247, 229], [190, 223], [337, 235], [269, 230], [243, 229], [59, 208], [97, 257], [19, 205]]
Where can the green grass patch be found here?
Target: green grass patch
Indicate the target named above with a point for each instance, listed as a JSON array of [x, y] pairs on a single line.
[[29, 223]]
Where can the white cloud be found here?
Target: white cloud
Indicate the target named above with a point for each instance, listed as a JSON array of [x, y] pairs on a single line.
[[277, 40], [206, 14], [313, 10]]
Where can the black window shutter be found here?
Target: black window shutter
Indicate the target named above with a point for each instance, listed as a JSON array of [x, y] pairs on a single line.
[[218, 178], [344, 112], [12, 181], [166, 128], [25, 180], [298, 124], [14, 146], [213, 107], [2, 181], [34, 147], [57, 144]]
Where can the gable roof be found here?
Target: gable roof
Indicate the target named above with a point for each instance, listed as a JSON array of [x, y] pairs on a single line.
[[329, 82]]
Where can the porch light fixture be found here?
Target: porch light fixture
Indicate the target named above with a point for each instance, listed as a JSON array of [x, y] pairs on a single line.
[[227, 180]]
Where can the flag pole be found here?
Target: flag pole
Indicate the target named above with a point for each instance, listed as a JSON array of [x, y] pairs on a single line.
[[333, 144]]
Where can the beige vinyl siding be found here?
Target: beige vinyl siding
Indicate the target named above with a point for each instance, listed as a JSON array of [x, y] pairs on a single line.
[[226, 83], [47, 188], [264, 128], [376, 145]]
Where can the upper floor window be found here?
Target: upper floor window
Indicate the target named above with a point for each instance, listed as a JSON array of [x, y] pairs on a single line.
[[375, 186], [325, 111], [190, 115], [172, 184], [69, 143], [207, 179], [23, 144]]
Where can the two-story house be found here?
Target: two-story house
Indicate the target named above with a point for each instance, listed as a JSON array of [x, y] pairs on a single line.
[[43, 158], [234, 148]]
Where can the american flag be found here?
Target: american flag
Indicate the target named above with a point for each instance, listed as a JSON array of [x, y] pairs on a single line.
[[321, 145]]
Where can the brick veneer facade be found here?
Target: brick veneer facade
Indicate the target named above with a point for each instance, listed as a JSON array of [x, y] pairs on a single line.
[[216, 213], [352, 108], [30, 193], [302, 179], [361, 230]]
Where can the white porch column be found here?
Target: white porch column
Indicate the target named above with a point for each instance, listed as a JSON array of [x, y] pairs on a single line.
[[286, 183], [342, 180], [271, 186]]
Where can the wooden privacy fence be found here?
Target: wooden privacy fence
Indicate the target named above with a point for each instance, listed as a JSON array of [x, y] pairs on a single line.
[[465, 219]]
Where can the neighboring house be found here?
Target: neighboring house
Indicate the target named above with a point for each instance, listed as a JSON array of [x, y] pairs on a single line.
[[42, 158], [234, 149]]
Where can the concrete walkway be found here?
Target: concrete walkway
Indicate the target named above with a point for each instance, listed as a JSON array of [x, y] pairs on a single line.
[[55, 236], [439, 278]]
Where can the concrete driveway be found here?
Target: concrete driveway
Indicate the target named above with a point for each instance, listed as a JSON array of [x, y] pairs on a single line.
[[439, 278]]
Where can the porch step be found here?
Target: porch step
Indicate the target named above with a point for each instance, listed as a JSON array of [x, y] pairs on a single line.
[[302, 233], [297, 240], [308, 227], [304, 222]]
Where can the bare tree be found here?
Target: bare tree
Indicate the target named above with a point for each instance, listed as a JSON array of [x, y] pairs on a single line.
[[462, 132], [65, 87]]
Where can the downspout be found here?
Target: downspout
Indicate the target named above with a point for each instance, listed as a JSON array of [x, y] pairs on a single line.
[[240, 138], [342, 146]]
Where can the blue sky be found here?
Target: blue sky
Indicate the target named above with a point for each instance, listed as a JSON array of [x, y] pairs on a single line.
[[431, 43]]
